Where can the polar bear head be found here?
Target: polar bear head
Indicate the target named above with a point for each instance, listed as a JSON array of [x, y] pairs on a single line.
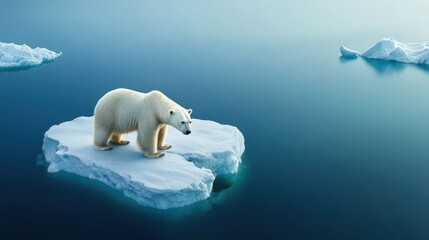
[[181, 120]]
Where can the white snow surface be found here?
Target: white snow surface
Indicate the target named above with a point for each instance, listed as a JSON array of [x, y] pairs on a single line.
[[392, 50], [183, 176], [20, 56]]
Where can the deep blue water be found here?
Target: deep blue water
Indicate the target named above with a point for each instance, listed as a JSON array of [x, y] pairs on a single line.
[[334, 149]]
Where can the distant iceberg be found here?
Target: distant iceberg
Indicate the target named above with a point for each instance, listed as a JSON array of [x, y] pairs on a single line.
[[185, 175], [22, 56], [392, 50], [348, 52]]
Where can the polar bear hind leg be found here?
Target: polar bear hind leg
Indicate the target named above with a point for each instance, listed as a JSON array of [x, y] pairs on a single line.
[[161, 138], [116, 138]]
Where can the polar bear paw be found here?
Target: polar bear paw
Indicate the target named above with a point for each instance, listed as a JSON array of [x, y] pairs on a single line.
[[156, 155], [165, 147], [103, 148]]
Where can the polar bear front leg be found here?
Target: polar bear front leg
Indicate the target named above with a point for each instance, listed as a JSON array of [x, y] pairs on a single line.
[[116, 138], [147, 142], [161, 138], [101, 136]]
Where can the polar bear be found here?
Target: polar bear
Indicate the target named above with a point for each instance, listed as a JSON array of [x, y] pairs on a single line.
[[122, 110]]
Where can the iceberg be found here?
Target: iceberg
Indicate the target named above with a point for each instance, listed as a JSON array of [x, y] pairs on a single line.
[[392, 50], [22, 56], [185, 174], [348, 53]]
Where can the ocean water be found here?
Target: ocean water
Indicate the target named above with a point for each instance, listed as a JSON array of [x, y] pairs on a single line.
[[335, 149]]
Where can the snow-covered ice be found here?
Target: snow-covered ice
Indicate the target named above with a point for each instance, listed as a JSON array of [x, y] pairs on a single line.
[[392, 50], [348, 53], [212, 145], [21, 56], [183, 176]]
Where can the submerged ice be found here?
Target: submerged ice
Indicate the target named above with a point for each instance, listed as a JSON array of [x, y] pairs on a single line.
[[183, 176], [392, 50], [21, 56]]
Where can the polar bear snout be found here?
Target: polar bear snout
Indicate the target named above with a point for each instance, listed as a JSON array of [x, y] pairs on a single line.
[[187, 132]]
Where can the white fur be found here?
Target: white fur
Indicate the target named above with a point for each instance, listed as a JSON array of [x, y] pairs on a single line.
[[123, 110]]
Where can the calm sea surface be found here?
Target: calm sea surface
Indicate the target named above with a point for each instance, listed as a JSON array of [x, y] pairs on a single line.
[[334, 149]]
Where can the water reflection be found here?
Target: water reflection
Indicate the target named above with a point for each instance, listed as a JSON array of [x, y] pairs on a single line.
[[23, 68], [383, 67], [343, 59]]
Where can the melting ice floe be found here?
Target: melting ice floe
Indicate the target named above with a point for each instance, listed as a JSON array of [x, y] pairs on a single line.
[[21, 56], [390, 49], [183, 176], [348, 52]]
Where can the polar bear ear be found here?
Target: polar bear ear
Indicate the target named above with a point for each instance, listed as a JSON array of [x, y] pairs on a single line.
[[189, 111], [171, 112]]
